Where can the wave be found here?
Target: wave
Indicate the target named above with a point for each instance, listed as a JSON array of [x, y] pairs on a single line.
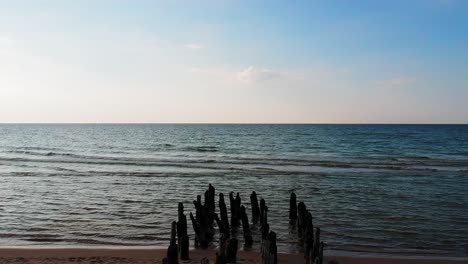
[[201, 148]]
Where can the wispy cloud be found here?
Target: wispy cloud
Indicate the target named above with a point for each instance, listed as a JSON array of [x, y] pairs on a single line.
[[193, 46], [253, 74]]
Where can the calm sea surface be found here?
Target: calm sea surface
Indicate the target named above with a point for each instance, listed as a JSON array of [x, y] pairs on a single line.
[[394, 189]]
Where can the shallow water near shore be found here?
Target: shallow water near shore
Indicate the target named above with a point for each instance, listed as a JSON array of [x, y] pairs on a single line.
[[380, 189]]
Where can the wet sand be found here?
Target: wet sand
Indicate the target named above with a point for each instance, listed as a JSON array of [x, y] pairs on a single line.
[[147, 256]]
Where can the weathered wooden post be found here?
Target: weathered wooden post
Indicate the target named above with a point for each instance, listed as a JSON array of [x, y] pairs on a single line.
[[172, 252], [222, 229], [182, 235], [196, 229], [255, 207], [221, 254], [270, 255], [210, 203], [205, 233], [308, 240], [316, 249], [235, 204], [262, 209], [224, 214], [231, 251], [292, 209], [248, 241], [302, 212]]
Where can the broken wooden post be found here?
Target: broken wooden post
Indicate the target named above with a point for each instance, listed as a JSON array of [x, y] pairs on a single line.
[[265, 229], [316, 249], [182, 235], [255, 207], [222, 229], [262, 209], [235, 204], [210, 204], [205, 232], [292, 209], [172, 251], [231, 251], [270, 250], [302, 212], [248, 241], [221, 254], [224, 214], [196, 229], [308, 240]]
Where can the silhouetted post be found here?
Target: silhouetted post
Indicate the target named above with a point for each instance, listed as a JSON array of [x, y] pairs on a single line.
[[210, 203], [221, 254], [270, 253], [172, 252], [262, 209], [265, 229], [231, 251], [182, 235], [205, 260], [248, 241], [308, 239], [234, 210], [223, 212], [302, 211], [255, 207], [222, 229], [205, 233], [292, 209], [316, 244], [196, 229], [322, 245]]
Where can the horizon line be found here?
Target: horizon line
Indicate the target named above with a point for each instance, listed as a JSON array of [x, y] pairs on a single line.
[[212, 123]]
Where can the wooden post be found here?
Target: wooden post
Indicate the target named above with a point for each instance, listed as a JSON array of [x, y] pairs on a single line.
[[172, 252], [255, 207], [234, 210], [196, 229], [231, 251], [222, 229], [221, 254], [223, 212], [292, 209], [184, 248], [248, 241], [302, 211], [210, 203], [308, 240], [316, 244], [270, 251], [262, 209], [182, 235]]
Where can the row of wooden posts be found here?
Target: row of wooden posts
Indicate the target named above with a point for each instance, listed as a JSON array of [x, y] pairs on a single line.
[[203, 226]]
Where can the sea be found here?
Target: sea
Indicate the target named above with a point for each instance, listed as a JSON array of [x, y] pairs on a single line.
[[372, 189]]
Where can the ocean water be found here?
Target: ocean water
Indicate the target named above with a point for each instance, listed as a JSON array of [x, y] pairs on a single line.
[[381, 189]]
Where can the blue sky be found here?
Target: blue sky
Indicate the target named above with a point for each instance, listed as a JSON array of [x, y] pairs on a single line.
[[234, 61]]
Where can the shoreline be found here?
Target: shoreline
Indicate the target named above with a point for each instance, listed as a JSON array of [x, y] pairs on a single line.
[[146, 255]]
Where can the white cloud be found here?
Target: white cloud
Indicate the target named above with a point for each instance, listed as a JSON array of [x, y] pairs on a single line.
[[254, 74], [193, 46]]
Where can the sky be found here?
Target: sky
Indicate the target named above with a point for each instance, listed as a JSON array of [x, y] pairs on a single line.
[[232, 61]]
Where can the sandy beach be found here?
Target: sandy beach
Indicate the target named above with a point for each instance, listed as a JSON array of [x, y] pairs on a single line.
[[147, 256]]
